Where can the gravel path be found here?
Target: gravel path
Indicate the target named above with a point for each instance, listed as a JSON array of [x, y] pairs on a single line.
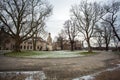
[[61, 67], [12, 63]]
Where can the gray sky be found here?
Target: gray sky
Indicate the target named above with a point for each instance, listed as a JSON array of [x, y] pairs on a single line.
[[60, 14]]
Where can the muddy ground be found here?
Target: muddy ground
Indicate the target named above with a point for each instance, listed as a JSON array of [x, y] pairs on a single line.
[[61, 68]]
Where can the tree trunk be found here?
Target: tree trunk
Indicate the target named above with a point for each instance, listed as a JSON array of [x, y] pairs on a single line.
[[100, 47], [72, 45], [89, 46], [117, 36], [61, 44], [114, 31], [107, 47], [34, 44], [17, 46]]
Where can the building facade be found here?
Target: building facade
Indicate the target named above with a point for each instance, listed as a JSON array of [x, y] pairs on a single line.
[[8, 43]]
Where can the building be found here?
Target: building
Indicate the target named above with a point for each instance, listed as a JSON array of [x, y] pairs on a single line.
[[66, 45], [41, 45], [28, 44], [49, 43], [8, 43]]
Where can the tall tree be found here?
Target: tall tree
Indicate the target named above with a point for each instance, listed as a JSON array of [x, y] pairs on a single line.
[[21, 17], [98, 36], [40, 31], [107, 34], [71, 30], [87, 15], [113, 10], [61, 37], [60, 41]]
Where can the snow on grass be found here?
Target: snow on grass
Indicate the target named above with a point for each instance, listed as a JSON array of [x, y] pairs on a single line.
[[48, 54], [56, 54]]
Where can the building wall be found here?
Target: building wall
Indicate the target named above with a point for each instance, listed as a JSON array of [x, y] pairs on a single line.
[[28, 45]]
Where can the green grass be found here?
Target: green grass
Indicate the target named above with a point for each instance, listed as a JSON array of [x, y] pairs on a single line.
[[23, 53], [48, 54], [87, 53]]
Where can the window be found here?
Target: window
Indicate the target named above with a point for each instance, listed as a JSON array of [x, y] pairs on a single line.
[[24, 47], [37, 47], [29, 42], [13, 46], [30, 47], [27, 47], [21, 47]]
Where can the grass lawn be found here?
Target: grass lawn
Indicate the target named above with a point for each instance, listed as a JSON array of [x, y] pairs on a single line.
[[87, 53], [48, 54]]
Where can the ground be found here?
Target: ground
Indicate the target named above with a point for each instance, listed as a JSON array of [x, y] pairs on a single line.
[[59, 68]]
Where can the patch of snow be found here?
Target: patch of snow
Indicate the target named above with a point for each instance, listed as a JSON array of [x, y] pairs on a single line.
[[118, 65], [23, 72], [111, 69], [88, 77], [30, 75], [91, 76], [29, 78], [57, 54], [40, 75]]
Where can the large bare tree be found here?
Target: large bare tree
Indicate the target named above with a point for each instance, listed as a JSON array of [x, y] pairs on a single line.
[[22, 17], [71, 30], [112, 17], [87, 15]]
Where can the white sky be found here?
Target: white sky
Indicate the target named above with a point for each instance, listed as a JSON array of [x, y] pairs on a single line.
[[60, 14]]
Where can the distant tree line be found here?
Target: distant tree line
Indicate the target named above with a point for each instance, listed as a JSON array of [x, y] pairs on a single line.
[[94, 20]]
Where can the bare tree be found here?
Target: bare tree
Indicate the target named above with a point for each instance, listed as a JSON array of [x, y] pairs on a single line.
[[21, 17], [116, 42], [40, 31], [60, 41], [71, 30], [111, 18], [98, 36], [107, 34], [87, 15], [61, 37]]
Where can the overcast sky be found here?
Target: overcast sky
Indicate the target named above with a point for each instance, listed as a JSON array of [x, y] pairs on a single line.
[[61, 13]]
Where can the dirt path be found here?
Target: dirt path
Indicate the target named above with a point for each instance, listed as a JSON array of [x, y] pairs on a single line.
[[60, 68]]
